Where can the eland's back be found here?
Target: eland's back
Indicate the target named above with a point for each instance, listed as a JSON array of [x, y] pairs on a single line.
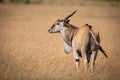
[[83, 37]]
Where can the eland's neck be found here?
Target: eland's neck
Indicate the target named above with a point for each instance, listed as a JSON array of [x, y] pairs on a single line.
[[68, 33]]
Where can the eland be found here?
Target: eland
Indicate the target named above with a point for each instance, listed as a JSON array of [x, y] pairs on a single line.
[[82, 42]]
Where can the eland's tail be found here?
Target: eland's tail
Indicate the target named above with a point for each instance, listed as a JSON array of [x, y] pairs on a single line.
[[99, 46]]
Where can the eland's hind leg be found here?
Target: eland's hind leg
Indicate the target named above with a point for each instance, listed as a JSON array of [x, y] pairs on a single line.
[[93, 59], [85, 59]]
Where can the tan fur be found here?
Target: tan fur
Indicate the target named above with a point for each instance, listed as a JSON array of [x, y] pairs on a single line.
[[82, 40], [82, 37]]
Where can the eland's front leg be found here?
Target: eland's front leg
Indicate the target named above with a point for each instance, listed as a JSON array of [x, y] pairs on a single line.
[[77, 60]]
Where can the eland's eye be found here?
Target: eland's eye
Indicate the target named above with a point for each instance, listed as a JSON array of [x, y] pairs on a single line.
[[58, 23]]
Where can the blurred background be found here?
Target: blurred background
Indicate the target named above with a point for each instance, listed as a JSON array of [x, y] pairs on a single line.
[[29, 52], [65, 2]]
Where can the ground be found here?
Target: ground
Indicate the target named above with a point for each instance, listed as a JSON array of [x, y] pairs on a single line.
[[29, 52]]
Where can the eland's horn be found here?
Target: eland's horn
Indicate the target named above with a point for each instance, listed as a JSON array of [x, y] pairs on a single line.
[[66, 18]]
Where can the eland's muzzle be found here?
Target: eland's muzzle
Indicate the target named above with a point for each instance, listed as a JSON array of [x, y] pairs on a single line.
[[49, 31]]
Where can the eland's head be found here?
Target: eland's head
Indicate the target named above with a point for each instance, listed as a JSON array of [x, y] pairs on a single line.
[[60, 23]]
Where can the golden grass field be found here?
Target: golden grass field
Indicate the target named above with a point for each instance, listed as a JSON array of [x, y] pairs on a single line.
[[29, 52]]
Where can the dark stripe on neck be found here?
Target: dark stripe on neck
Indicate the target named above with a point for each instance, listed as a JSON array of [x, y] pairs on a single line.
[[72, 35]]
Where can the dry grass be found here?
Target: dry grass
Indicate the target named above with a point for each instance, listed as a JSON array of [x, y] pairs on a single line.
[[29, 52]]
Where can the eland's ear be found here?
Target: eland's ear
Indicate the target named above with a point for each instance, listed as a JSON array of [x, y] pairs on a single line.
[[66, 22]]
